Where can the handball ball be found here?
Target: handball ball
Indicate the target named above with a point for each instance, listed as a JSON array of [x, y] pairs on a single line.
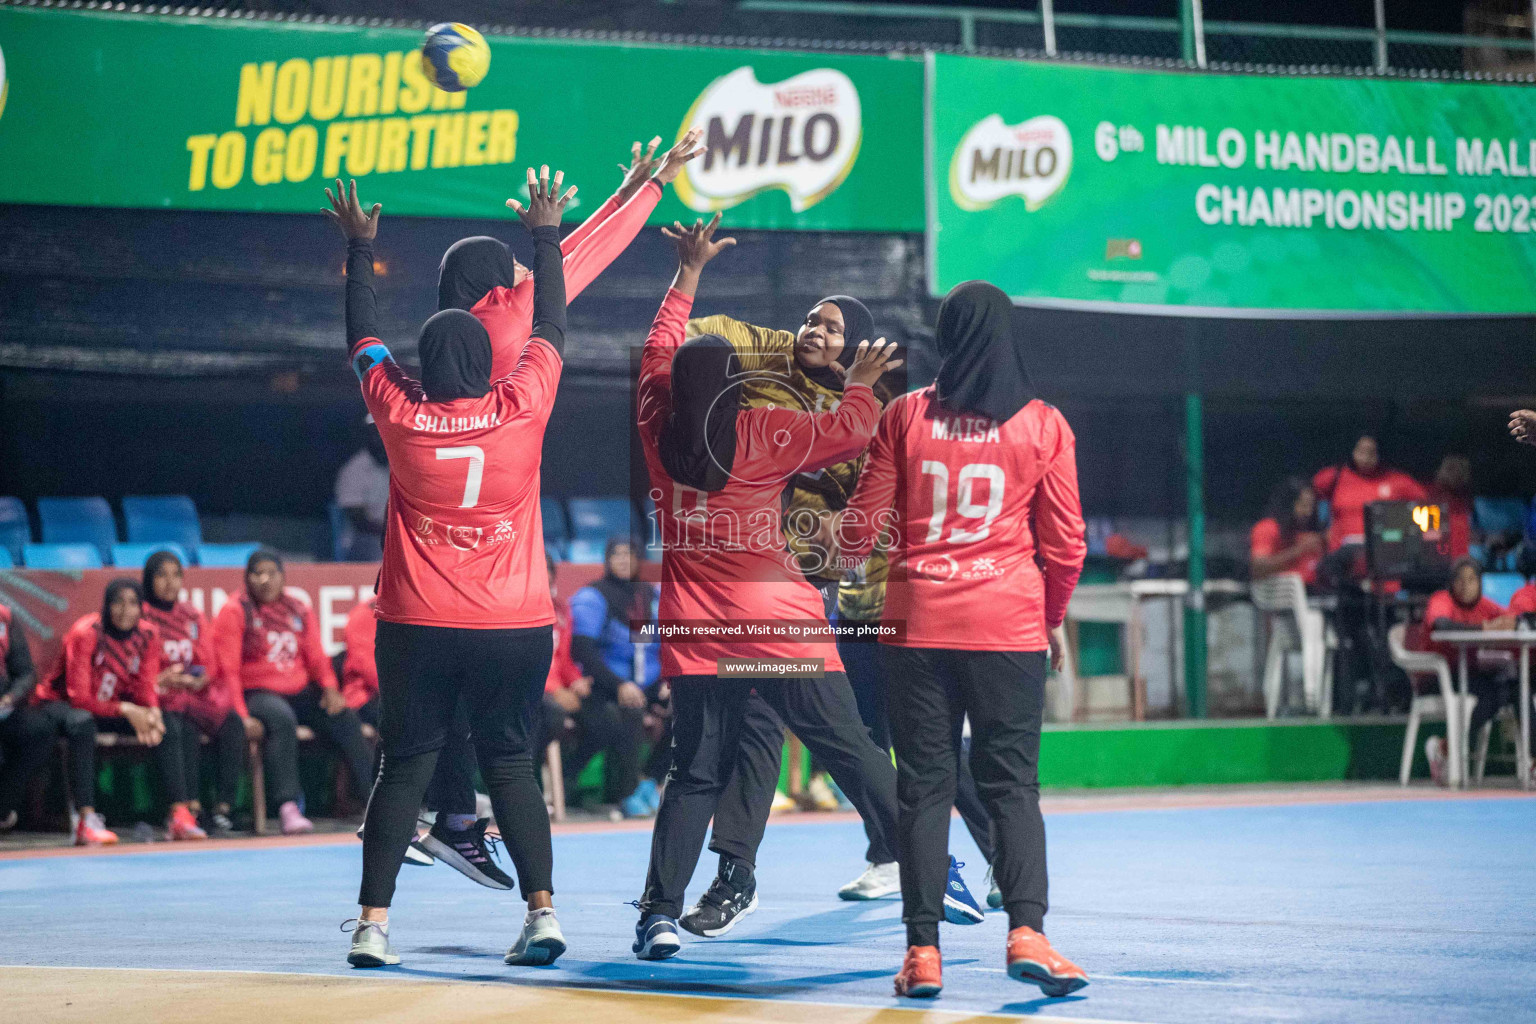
[[454, 57]]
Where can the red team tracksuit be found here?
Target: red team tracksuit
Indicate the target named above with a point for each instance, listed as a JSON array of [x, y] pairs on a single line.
[[187, 641], [94, 674], [272, 662], [757, 582], [988, 547]]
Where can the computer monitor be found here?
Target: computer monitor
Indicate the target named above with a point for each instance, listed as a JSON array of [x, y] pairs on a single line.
[[1408, 541]]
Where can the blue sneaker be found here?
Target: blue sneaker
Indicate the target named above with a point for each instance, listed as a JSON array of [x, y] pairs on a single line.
[[656, 938], [635, 806], [650, 793], [960, 907]]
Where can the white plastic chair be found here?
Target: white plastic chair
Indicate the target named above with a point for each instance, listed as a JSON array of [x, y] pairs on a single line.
[[1431, 707], [1292, 624]]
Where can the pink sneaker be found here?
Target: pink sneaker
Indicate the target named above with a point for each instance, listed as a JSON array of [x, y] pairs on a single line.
[[293, 822], [1434, 752]]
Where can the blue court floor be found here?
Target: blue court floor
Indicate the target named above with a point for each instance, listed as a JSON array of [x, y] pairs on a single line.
[[1389, 912]]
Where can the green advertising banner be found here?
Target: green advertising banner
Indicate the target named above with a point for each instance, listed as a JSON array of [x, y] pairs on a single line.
[[227, 114], [1231, 195]]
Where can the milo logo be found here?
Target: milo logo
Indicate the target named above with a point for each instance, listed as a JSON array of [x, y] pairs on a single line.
[[800, 135], [1031, 159]]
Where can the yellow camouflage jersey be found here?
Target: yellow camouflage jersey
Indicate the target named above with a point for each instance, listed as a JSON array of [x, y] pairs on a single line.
[[774, 378]]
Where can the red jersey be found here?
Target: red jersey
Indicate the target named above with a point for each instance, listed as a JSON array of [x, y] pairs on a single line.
[[187, 642], [272, 646], [96, 672], [723, 553], [1265, 541], [463, 538], [985, 518], [1348, 492], [359, 670], [1443, 606], [1458, 518], [563, 670], [507, 313], [1524, 601]]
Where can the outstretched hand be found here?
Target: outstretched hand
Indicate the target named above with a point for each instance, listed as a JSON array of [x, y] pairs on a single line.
[[640, 168], [697, 245], [871, 361], [686, 149], [1522, 426], [347, 213], [543, 209]]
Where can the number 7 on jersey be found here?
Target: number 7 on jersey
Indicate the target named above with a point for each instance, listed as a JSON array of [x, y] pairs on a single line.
[[476, 456]]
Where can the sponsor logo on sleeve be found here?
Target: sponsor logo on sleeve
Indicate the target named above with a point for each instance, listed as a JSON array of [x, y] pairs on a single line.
[[994, 160], [800, 136]]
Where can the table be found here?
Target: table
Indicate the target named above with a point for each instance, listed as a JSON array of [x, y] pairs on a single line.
[[1463, 639], [1120, 603]]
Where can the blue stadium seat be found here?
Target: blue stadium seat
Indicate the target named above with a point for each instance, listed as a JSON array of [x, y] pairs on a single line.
[[225, 556], [78, 521], [15, 532], [61, 556], [556, 534], [1499, 587], [6, 561], [1324, 512], [133, 556], [162, 517], [1499, 515]]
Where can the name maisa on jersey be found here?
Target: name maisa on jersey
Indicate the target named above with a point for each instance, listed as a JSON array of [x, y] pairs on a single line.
[[966, 428], [454, 424]]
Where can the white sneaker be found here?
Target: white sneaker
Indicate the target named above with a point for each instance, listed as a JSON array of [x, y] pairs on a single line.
[[1434, 752], [877, 882], [370, 946], [541, 942]]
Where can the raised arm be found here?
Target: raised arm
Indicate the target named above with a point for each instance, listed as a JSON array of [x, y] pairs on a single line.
[[359, 229], [802, 442], [869, 510], [642, 165], [542, 219], [593, 249]]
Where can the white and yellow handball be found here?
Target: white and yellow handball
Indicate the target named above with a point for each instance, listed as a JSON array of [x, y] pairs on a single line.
[[454, 56]]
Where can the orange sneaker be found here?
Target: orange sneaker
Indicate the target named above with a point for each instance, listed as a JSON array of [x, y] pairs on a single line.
[[922, 973], [1031, 958], [92, 831], [183, 824]]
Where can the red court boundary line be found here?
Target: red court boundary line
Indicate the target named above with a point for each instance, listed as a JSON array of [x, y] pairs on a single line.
[[1162, 801]]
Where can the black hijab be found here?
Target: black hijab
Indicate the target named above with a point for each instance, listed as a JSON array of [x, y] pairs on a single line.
[[151, 569], [983, 369], [455, 356], [625, 597], [115, 588], [263, 555], [858, 325], [472, 267], [698, 442]]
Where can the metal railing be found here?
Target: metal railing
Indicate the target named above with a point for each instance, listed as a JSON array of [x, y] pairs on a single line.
[[1191, 39]]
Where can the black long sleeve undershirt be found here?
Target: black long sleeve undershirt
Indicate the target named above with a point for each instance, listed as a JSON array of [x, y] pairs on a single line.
[[605, 682], [20, 675], [548, 287], [362, 303]]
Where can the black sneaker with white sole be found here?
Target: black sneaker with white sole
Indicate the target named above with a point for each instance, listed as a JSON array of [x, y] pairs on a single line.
[[720, 908], [466, 851], [417, 855]]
